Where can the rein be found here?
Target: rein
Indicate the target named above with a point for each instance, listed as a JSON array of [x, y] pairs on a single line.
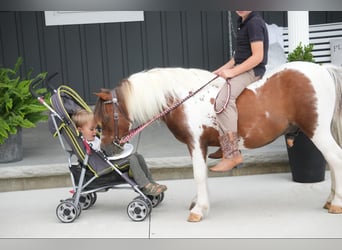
[[224, 106], [138, 129]]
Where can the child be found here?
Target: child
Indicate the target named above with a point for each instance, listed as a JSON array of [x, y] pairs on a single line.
[[84, 122]]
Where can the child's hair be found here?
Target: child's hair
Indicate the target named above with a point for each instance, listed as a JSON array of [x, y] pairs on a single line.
[[81, 117]]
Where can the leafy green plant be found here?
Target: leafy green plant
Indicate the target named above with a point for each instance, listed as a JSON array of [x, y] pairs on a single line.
[[18, 107], [301, 53]]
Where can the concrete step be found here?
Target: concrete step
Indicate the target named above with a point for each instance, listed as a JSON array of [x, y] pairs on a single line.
[[58, 175]]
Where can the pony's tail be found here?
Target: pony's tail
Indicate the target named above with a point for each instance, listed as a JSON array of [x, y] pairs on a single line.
[[336, 124]]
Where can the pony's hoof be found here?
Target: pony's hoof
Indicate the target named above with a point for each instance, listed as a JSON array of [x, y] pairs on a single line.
[[194, 217], [335, 209], [327, 205]]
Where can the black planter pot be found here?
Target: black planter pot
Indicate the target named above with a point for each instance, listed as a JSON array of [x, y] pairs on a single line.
[[306, 161], [12, 149]]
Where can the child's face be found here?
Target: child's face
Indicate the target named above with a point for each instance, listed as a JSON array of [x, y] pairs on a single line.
[[88, 130]]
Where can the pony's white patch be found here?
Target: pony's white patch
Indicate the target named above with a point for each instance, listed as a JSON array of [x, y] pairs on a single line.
[[267, 114], [257, 84], [200, 175]]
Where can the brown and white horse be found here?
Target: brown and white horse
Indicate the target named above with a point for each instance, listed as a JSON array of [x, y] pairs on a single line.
[[298, 94]]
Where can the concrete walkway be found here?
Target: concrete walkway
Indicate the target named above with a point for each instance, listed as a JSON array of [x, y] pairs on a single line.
[[254, 206]]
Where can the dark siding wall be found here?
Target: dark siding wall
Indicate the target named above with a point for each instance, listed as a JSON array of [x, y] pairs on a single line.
[[318, 17], [92, 56]]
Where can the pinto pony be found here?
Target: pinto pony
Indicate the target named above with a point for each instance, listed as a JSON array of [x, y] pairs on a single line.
[[296, 95]]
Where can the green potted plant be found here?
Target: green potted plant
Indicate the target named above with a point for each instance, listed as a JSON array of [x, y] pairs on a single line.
[[19, 109], [301, 53], [306, 161]]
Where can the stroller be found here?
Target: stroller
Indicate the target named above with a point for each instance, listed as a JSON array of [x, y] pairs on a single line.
[[94, 171]]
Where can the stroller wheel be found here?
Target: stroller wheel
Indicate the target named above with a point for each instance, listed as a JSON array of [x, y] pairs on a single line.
[[66, 212], [138, 210], [93, 198], [156, 200], [148, 202], [86, 201], [79, 208]]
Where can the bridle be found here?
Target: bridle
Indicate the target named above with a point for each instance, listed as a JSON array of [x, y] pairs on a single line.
[[116, 108]]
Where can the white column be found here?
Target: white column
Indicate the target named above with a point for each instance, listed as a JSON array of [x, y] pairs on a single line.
[[298, 26]]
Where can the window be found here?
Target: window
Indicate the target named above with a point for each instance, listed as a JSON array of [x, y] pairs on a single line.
[[86, 17]]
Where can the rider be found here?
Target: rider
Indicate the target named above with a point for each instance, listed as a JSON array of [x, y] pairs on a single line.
[[246, 66]]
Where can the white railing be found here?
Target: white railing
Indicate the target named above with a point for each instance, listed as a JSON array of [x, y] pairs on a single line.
[[320, 36]]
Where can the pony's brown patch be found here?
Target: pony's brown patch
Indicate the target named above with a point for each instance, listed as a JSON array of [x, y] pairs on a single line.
[[209, 137], [286, 99], [176, 122]]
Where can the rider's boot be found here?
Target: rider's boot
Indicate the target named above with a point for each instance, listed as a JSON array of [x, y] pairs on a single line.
[[231, 153]]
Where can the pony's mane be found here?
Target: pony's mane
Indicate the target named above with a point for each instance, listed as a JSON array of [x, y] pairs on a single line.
[[149, 92]]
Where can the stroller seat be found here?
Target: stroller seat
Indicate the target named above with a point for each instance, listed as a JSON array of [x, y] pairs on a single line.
[[109, 179]]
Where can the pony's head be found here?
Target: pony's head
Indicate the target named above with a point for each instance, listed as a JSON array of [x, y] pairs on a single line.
[[111, 114]]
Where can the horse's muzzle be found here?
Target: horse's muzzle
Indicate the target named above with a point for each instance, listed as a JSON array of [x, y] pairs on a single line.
[[112, 149]]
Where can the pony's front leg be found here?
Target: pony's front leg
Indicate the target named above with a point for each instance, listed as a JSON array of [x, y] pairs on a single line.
[[200, 206]]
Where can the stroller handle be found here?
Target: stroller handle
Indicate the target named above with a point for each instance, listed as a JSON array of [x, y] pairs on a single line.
[[38, 82]]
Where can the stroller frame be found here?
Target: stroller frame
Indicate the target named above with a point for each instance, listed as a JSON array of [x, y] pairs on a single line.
[[84, 196]]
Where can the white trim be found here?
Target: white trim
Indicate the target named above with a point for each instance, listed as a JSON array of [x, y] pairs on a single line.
[[321, 36], [298, 28], [87, 17]]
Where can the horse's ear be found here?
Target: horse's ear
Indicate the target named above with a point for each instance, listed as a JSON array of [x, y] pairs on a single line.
[[104, 94], [101, 95]]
